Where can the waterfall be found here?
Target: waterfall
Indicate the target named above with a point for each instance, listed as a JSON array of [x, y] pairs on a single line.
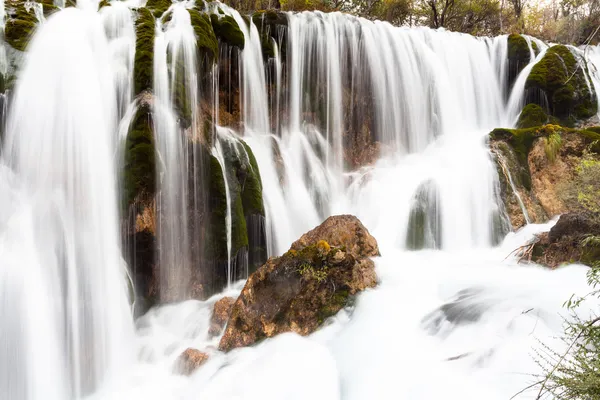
[[63, 278], [175, 86], [341, 115]]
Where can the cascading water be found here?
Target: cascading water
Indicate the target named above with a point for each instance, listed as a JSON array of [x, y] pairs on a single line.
[[63, 279], [175, 85], [417, 103]]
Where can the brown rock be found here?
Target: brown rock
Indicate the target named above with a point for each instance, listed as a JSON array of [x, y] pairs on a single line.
[[298, 291], [189, 361], [220, 315], [345, 231], [565, 241]]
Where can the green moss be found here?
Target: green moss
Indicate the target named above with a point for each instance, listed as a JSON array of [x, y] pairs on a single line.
[[181, 94], [592, 137], [239, 231], [139, 176], [518, 50], [267, 23], [563, 81], [227, 30], [217, 244], [532, 115], [217, 231], [48, 7], [158, 7], [19, 27], [143, 69], [206, 41], [535, 48], [252, 187]]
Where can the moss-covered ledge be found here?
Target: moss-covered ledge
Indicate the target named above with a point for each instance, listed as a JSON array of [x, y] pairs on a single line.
[[143, 67], [559, 80], [227, 30]]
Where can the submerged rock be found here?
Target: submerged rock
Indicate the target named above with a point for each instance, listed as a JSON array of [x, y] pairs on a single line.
[[189, 361], [220, 315], [298, 291]]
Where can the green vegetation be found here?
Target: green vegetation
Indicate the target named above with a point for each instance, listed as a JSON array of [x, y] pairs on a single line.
[[562, 80], [48, 7], [574, 374], [552, 145], [139, 176], [206, 41], [217, 231], [143, 68], [227, 30], [181, 93], [518, 53], [158, 7], [20, 27], [532, 115], [267, 23], [251, 195]]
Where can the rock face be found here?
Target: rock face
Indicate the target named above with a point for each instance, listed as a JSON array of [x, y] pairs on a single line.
[[312, 281], [553, 170], [566, 241], [189, 361], [220, 315]]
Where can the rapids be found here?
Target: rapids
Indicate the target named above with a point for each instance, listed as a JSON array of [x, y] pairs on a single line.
[[459, 319]]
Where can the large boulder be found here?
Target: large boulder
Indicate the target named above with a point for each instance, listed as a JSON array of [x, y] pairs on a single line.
[[559, 81], [569, 241], [298, 291]]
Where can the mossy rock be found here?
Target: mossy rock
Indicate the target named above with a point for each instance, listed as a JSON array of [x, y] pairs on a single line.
[[158, 7], [532, 115], [252, 199], [217, 231], [561, 81], [206, 41], [592, 137], [139, 176], [227, 30], [49, 7], [181, 93], [298, 291], [268, 23], [20, 26], [143, 68], [519, 55], [424, 224]]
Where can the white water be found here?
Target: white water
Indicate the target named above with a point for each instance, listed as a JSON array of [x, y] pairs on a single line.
[[175, 45], [434, 97], [394, 344], [64, 296]]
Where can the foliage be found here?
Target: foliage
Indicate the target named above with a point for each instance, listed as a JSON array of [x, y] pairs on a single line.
[[552, 145], [588, 183], [575, 373]]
